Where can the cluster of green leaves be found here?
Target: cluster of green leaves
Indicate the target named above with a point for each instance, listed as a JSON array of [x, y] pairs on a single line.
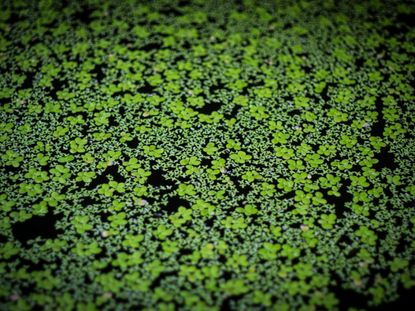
[[205, 155]]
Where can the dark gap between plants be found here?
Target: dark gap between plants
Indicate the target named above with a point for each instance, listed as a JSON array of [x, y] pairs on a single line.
[[229, 302], [386, 160], [152, 46], [406, 19], [111, 170], [112, 121], [234, 112], [340, 202], [37, 226], [208, 108], [183, 3], [157, 179], [98, 72], [132, 143], [83, 16], [146, 89], [379, 126], [163, 275], [241, 190], [349, 298], [3, 238], [173, 205]]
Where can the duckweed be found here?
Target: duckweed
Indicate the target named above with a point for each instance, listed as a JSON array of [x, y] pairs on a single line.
[[206, 155]]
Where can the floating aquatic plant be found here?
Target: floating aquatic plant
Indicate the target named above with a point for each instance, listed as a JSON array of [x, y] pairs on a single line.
[[206, 155]]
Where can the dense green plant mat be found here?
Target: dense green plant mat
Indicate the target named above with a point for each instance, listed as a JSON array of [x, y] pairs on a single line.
[[206, 155]]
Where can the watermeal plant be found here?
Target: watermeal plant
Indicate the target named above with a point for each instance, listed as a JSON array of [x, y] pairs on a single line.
[[206, 155]]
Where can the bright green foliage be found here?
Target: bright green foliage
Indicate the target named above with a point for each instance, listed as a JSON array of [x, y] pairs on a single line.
[[206, 155], [327, 221]]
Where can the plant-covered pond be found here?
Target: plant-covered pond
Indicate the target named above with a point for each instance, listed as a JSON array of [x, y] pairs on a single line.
[[206, 155]]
